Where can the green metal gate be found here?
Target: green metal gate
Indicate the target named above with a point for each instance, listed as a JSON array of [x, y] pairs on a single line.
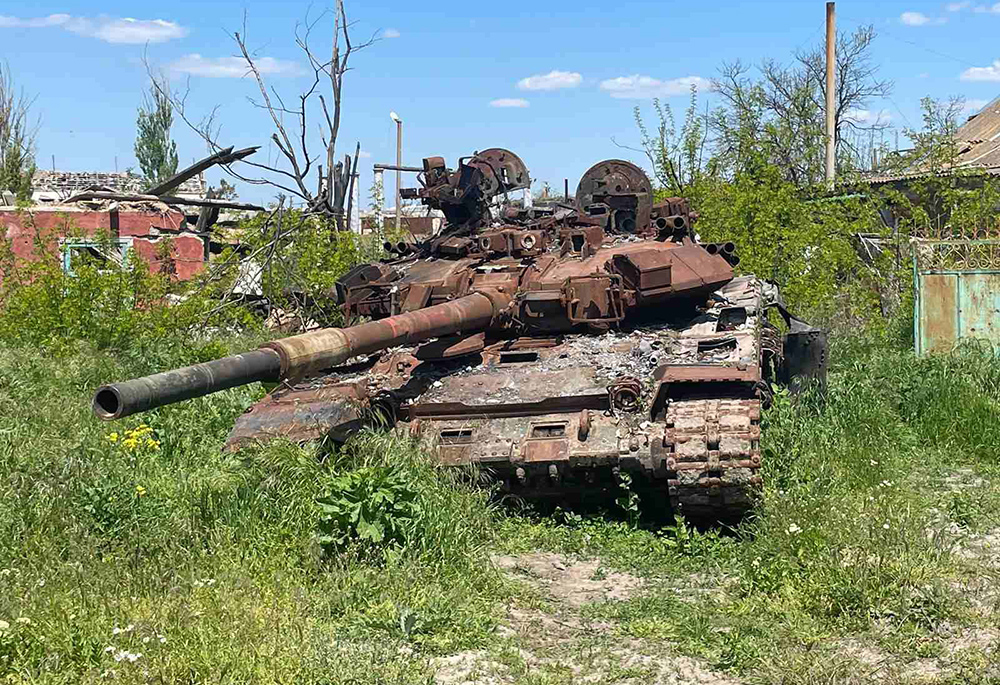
[[957, 296]]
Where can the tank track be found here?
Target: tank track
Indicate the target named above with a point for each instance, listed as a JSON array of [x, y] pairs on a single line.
[[714, 465]]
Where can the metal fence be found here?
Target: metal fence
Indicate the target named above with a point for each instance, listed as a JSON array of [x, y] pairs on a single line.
[[957, 293]]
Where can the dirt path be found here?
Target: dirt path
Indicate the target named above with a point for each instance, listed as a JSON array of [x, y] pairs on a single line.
[[549, 639]]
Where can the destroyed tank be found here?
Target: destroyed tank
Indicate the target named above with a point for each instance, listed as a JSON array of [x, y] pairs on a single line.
[[554, 349]]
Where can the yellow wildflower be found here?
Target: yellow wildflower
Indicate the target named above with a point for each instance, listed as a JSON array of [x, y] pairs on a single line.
[[112, 438], [140, 491]]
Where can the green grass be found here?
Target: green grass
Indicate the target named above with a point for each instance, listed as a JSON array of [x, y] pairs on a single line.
[[210, 566], [217, 556]]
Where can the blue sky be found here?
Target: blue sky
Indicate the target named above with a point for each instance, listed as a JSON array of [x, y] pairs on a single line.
[[576, 70]]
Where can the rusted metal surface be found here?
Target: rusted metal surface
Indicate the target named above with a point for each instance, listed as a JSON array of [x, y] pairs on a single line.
[[557, 349], [957, 293], [711, 450], [331, 411], [621, 191]]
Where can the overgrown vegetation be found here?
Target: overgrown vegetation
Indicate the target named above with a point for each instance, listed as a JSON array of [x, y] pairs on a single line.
[[139, 550], [111, 300]]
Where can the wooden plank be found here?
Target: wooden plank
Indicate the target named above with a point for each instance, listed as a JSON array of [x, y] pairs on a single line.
[[165, 199], [224, 156]]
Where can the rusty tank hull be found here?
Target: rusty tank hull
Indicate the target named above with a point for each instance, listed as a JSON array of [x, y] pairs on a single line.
[[674, 403], [553, 350]]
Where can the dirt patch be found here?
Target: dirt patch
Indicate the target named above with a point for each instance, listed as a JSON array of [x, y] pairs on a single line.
[[879, 663], [571, 581], [561, 643], [983, 547], [468, 668], [983, 639]]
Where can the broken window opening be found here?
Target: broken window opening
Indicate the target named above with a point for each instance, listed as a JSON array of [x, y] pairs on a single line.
[[109, 255]]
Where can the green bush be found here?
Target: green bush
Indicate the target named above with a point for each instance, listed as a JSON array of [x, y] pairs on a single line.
[[374, 505], [109, 306]]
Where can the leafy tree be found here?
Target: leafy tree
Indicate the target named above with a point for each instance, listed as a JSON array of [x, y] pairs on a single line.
[[224, 191], [940, 199], [17, 137], [155, 151]]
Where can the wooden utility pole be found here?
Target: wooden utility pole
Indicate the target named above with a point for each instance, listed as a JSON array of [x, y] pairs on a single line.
[[831, 64]]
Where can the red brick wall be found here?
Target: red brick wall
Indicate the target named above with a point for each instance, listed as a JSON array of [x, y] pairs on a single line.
[[187, 252]]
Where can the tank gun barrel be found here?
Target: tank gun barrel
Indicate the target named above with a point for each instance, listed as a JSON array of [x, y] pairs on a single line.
[[295, 357]]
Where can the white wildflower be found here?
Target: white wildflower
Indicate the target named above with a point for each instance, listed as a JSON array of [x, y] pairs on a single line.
[[109, 649], [794, 529], [4, 625], [162, 639], [129, 628], [120, 655], [134, 657], [873, 462], [41, 582], [116, 630], [885, 526], [145, 640], [24, 620]]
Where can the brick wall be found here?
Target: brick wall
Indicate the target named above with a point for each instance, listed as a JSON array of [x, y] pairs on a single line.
[[147, 228]]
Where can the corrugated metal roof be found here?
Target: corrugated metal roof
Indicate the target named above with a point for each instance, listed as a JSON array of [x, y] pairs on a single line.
[[979, 137]]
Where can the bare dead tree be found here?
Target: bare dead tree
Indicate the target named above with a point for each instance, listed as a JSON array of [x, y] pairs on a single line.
[[280, 252], [785, 106], [318, 105]]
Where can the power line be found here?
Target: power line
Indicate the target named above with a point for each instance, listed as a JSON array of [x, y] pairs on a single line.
[[938, 53], [899, 111]]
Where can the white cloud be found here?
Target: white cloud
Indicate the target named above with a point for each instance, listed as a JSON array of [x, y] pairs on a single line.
[[958, 6], [995, 9], [551, 81], [973, 105], [39, 22], [232, 67], [364, 154], [866, 117], [924, 74], [109, 29], [919, 19], [390, 33], [645, 87], [990, 73], [509, 102]]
